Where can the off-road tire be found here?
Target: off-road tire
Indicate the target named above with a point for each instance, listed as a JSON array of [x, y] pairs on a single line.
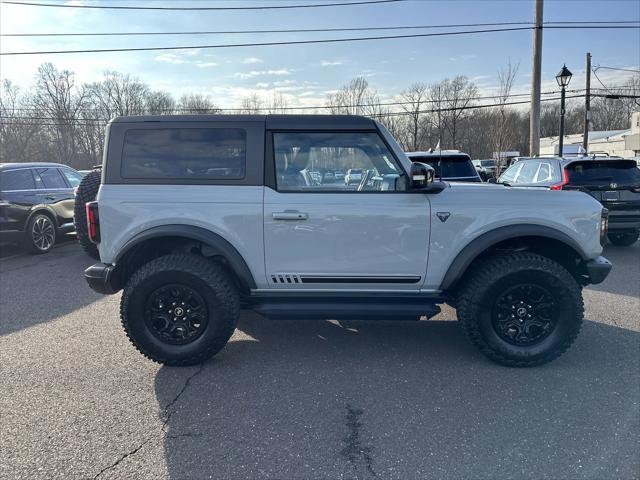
[[209, 280], [30, 240], [86, 192], [485, 281], [624, 239]]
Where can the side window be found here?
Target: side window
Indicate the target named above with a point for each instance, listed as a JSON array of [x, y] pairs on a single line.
[[510, 174], [545, 173], [17, 180], [51, 178], [185, 153], [527, 172], [72, 177], [334, 162]]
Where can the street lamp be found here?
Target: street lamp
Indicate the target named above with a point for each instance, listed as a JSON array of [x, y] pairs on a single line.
[[563, 78]]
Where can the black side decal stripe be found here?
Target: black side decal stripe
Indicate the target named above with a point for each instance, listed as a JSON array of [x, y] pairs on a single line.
[[306, 279]]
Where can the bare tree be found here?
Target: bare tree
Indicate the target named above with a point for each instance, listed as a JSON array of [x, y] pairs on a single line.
[[458, 95], [503, 129], [252, 104], [355, 98], [159, 103], [57, 99], [19, 132], [277, 103], [197, 103], [414, 99]]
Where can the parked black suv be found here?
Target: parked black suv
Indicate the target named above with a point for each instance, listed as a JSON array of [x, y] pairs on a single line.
[[36, 203], [612, 181], [449, 165]]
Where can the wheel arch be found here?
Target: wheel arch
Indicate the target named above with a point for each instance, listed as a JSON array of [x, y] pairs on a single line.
[[43, 209], [539, 238], [209, 244]]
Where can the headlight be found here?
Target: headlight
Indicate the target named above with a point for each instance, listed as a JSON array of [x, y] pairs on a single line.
[[604, 226]]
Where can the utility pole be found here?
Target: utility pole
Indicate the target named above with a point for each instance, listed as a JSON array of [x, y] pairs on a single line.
[[587, 106], [536, 79]]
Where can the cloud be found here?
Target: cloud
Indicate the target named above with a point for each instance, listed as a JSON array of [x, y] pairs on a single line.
[[170, 58], [179, 57], [330, 63], [206, 64], [262, 85], [262, 73], [251, 60], [464, 57]]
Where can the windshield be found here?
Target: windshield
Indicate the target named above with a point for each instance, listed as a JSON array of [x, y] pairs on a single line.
[[603, 173], [449, 166], [487, 163]]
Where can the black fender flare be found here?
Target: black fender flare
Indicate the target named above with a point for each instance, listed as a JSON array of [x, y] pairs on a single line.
[[217, 244], [479, 244]]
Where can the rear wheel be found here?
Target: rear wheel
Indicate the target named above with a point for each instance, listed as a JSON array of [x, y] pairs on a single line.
[[179, 309], [520, 309], [41, 234], [86, 192], [624, 239]]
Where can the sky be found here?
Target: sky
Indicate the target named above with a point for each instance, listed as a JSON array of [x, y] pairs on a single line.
[[305, 74]]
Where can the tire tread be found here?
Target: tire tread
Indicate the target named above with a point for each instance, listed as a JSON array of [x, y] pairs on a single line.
[[490, 270]]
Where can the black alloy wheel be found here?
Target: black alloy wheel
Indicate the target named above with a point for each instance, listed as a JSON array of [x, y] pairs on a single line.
[[525, 314], [176, 314]]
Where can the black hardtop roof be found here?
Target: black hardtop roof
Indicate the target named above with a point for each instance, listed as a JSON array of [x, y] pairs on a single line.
[[14, 165], [272, 122]]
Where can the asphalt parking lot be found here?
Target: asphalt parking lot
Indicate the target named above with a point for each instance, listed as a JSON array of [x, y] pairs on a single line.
[[307, 399]]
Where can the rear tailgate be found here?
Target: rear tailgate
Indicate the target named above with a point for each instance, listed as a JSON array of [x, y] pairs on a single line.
[[614, 183]]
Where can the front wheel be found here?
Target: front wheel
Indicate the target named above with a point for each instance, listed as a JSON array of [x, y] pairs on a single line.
[[624, 239], [521, 309], [179, 309]]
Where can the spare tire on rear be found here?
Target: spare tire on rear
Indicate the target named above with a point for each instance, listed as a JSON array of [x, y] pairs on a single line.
[[86, 192]]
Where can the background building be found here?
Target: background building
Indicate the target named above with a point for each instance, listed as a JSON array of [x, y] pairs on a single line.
[[619, 143]]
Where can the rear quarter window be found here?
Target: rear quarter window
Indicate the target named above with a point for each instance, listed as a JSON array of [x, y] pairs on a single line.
[[184, 153]]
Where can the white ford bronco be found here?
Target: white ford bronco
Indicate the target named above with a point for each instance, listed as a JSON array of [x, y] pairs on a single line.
[[199, 217]]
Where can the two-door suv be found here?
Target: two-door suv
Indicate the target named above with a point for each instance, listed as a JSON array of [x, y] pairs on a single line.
[[199, 217]]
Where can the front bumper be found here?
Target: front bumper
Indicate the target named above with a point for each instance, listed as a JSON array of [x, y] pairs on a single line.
[[99, 277], [598, 269]]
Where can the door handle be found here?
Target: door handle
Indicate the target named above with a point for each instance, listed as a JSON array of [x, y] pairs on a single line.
[[290, 215]]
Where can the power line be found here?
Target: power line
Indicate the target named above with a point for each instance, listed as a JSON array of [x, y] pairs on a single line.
[[300, 42], [292, 30], [321, 107], [289, 30], [93, 122], [618, 69], [265, 44], [257, 7]]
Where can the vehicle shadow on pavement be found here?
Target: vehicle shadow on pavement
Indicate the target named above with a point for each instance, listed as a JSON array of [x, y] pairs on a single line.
[[35, 289], [399, 400], [624, 278]]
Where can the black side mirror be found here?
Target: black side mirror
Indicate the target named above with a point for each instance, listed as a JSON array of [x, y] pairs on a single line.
[[492, 180], [422, 175]]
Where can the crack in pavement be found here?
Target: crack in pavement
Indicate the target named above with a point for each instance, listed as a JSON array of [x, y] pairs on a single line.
[[354, 450], [165, 422]]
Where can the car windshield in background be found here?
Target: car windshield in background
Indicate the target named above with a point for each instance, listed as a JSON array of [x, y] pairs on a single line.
[[604, 173], [450, 166], [487, 163]]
